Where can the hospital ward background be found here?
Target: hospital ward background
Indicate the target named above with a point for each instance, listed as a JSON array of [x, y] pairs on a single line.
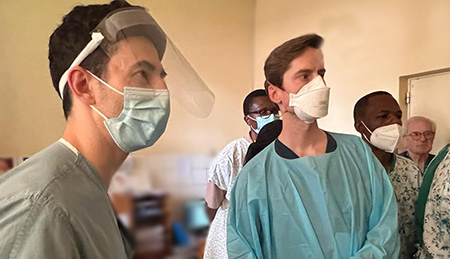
[[402, 47]]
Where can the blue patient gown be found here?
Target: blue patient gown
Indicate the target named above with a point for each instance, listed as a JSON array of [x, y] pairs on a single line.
[[335, 205]]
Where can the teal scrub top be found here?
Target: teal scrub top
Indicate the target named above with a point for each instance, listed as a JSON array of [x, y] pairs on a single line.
[[54, 205], [335, 205]]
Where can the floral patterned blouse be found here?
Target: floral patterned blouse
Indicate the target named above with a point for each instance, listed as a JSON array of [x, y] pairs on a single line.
[[405, 178], [436, 228]]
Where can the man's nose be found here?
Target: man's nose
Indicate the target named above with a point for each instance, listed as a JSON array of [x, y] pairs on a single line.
[[422, 137], [159, 83]]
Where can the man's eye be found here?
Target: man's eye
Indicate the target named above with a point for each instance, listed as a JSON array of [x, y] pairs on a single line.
[[140, 78], [302, 77], [143, 74]]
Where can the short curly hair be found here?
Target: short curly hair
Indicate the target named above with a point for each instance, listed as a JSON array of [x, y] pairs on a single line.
[[359, 111], [69, 39]]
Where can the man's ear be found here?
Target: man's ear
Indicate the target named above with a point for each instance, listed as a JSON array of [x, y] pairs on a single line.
[[247, 120], [78, 80], [358, 127], [274, 94]]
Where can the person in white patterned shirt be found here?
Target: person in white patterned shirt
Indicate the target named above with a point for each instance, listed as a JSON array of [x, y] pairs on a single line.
[[258, 111], [378, 118], [433, 208]]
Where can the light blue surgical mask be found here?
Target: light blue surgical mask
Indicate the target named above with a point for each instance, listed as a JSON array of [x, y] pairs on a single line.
[[261, 122], [143, 119]]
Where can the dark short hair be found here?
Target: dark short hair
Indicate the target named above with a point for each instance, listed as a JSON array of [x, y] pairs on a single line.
[[359, 111], [69, 39], [248, 101], [281, 57]]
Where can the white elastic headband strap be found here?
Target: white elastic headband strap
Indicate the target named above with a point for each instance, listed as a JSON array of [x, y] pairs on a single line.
[[97, 38]]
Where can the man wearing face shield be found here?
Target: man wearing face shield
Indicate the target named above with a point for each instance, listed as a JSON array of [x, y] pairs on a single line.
[[105, 63], [378, 118], [310, 193]]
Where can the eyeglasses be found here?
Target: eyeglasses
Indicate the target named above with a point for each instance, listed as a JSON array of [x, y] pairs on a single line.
[[415, 135], [265, 113]]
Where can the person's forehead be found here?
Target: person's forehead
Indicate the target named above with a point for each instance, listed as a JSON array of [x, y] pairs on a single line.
[[380, 103], [132, 50], [419, 125], [310, 57], [261, 101]]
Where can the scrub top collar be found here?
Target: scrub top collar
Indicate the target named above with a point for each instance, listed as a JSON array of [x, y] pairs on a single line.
[[69, 146], [285, 152]]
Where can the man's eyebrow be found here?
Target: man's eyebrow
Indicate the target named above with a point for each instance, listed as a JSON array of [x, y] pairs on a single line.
[[303, 71], [388, 111], [144, 64]]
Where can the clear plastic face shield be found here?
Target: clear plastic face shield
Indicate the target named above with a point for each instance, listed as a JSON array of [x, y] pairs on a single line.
[[140, 54]]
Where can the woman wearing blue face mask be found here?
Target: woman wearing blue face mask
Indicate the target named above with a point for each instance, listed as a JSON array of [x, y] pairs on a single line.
[[258, 111]]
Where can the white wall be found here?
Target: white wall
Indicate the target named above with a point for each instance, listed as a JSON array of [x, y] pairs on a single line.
[[368, 44], [217, 39]]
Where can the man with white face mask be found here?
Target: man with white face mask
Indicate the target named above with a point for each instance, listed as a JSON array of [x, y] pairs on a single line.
[[378, 118], [258, 111], [310, 193], [105, 64]]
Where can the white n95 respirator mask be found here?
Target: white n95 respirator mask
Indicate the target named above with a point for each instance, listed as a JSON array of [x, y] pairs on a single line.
[[311, 102], [143, 119], [386, 137]]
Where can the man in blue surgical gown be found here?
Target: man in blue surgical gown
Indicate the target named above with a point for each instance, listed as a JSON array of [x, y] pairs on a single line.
[[310, 193]]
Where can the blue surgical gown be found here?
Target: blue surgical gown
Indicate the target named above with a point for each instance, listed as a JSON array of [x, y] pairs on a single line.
[[335, 205]]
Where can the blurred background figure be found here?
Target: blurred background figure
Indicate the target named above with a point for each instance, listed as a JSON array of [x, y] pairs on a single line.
[[6, 164], [258, 111], [418, 137]]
